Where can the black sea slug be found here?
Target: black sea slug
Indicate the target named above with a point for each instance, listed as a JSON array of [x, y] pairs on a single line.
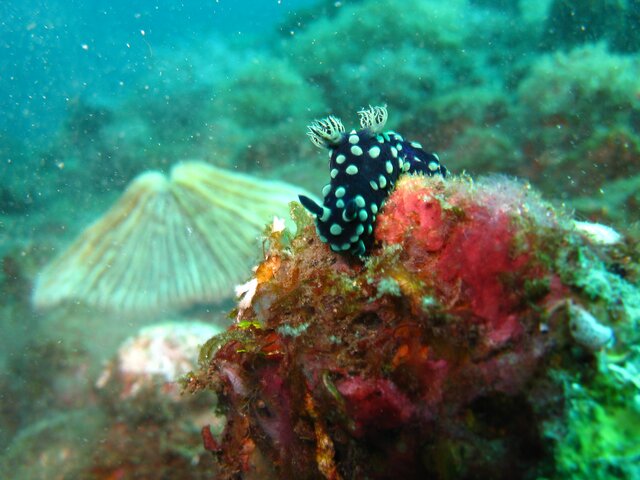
[[364, 167]]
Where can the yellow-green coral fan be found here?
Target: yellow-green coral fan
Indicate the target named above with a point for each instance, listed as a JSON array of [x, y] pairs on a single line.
[[167, 243]]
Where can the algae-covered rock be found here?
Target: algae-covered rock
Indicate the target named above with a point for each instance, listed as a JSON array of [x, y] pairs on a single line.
[[401, 59], [581, 89], [450, 352], [578, 113]]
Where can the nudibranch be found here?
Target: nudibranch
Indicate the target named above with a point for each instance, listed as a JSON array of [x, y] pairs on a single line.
[[364, 167]]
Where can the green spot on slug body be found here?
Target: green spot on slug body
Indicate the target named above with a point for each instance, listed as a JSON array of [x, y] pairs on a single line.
[[388, 167]]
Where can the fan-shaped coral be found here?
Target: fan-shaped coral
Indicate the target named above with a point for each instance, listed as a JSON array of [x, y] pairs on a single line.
[[168, 243]]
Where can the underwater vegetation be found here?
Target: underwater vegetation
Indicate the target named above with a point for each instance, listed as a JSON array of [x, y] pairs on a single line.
[[558, 95], [449, 352]]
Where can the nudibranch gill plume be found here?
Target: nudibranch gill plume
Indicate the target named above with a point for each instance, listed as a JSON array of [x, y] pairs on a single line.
[[364, 167]]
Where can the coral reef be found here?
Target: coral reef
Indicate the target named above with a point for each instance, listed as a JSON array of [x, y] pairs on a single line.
[[597, 438], [151, 429], [50, 377], [473, 79], [476, 87], [168, 243], [445, 354], [55, 447], [617, 201], [224, 119], [581, 89]]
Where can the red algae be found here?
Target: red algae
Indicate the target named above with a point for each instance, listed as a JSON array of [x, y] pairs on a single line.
[[426, 360], [464, 244]]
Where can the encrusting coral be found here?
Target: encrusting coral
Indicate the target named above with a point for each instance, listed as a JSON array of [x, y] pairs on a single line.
[[168, 243], [438, 356], [149, 363]]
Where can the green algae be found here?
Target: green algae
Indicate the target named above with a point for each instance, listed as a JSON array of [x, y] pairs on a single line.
[[602, 428], [242, 335], [389, 286], [287, 330], [602, 418], [614, 297]]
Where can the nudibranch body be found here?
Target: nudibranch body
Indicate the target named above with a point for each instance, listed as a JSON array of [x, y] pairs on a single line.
[[364, 167]]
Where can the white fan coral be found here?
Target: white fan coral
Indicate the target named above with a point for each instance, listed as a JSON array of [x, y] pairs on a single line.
[[167, 243]]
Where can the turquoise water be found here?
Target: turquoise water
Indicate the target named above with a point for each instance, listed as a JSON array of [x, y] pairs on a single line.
[[94, 95], [57, 51]]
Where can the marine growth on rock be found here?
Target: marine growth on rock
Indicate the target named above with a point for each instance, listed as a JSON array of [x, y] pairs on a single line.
[[436, 357]]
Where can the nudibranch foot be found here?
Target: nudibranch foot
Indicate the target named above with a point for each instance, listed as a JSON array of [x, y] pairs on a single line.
[[364, 168]]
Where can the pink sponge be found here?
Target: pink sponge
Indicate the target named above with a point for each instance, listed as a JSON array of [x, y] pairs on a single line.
[[470, 242]]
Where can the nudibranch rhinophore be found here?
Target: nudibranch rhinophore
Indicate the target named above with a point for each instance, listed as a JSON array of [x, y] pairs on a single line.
[[364, 167]]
